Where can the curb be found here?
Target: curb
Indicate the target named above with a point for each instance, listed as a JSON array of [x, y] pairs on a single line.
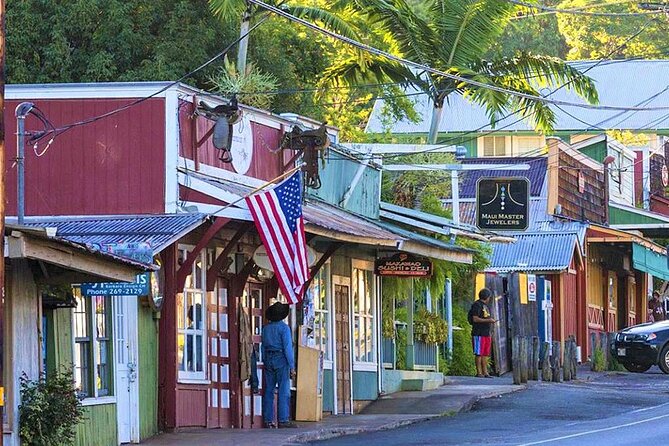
[[329, 433]]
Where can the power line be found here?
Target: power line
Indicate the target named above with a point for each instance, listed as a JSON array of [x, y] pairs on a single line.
[[577, 8], [59, 131], [456, 77], [586, 13]]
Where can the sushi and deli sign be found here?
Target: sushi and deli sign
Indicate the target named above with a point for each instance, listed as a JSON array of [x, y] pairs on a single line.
[[403, 265]]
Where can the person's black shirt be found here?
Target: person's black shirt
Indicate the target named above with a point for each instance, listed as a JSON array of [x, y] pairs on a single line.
[[481, 310]]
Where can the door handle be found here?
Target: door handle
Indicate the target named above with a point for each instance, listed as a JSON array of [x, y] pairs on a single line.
[[132, 372]]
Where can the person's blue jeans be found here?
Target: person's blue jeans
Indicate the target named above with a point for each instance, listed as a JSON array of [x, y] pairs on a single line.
[[276, 376]]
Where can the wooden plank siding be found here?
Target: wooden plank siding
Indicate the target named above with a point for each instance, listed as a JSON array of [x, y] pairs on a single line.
[[148, 372], [266, 162], [112, 166], [99, 427]]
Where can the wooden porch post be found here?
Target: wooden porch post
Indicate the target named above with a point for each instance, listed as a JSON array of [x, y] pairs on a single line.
[[167, 347]]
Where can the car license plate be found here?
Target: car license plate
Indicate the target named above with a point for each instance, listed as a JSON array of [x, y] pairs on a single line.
[[621, 352]]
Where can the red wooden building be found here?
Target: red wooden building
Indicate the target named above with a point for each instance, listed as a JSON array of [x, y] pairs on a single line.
[[155, 156]]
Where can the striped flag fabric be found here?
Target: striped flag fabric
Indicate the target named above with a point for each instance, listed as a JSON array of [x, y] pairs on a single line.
[[277, 214]]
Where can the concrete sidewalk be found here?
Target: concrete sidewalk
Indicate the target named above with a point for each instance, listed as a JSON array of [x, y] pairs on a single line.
[[389, 412]]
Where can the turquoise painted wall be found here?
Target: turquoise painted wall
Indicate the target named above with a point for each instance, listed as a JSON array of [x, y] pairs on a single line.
[[148, 375], [365, 386], [338, 174], [328, 390]]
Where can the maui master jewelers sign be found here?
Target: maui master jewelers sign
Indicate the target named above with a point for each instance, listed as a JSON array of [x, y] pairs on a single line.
[[502, 203]]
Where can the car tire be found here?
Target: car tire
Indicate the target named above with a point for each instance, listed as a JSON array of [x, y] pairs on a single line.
[[663, 362], [635, 368]]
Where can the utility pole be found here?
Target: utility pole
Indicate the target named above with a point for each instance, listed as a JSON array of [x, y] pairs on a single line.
[[2, 216]]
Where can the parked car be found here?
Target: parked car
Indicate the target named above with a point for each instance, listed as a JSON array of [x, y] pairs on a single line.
[[640, 347]]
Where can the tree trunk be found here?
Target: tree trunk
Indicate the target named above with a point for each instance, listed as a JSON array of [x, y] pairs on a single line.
[[434, 124], [242, 52]]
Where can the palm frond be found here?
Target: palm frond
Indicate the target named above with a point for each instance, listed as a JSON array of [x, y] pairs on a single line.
[[330, 20], [467, 28], [355, 71], [413, 35], [542, 71], [225, 9]]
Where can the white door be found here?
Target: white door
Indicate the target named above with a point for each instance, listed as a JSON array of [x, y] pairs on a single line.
[[125, 367]]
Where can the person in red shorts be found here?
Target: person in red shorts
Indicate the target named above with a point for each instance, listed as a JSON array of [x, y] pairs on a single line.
[[481, 325]]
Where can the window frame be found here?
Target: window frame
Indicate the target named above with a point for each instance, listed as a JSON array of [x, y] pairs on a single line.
[[94, 397], [508, 148], [198, 376], [366, 267], [324, 315]]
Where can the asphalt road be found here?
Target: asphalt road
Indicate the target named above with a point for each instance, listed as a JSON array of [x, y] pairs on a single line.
[[619, 409]]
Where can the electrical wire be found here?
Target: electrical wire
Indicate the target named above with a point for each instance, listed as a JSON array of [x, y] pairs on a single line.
[[586, 13], [60, 130], [464, 80], [577, 8]]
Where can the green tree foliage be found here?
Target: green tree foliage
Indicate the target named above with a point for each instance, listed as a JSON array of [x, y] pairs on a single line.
[[454, 37], [109, 40], [605, 37]]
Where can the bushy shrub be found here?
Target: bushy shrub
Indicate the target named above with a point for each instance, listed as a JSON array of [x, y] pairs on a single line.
[[462, 363], [598, 361], [49, 410]]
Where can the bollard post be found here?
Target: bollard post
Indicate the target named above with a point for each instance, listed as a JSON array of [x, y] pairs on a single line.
[[546, 372], [523, 359], [535, 358], [556, 362], [515, 363]]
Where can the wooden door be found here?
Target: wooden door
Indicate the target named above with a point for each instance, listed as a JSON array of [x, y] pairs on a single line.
[[254, 301], [343, 347]]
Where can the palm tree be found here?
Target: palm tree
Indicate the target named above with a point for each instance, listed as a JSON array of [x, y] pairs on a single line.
[[226, 9], [454, 37]]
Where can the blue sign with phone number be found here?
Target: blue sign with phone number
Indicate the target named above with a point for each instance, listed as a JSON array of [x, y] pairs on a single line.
[[139, 288], [140, 252]]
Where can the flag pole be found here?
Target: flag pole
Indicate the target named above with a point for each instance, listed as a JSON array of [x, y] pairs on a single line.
[[261, 187]]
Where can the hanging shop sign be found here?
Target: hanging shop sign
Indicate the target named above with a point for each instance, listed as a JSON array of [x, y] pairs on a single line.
[[140, 252], [403, 265], [261, 258], [502, 203]]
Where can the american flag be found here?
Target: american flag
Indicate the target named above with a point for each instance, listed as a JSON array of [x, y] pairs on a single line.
[[277, 214]]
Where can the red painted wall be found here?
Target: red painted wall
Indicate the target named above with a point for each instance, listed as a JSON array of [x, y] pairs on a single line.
[[113, 166], [266, 163]]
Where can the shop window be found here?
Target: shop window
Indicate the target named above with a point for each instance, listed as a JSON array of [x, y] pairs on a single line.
[[494, 146], [530, 145], [92, 341], [319, 293], [363, 315], [191, 329]]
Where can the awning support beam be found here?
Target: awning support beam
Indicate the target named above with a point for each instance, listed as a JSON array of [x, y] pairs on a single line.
[[212, 273], [187, 265]]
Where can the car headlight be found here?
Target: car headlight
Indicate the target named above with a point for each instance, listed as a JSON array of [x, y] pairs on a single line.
[[651, 336]]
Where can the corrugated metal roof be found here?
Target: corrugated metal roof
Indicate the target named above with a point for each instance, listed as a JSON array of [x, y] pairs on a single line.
[[621, 83], [333, 218], [331, 221], [157, 230], [536, 174], [40, 232], [542, 251]]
